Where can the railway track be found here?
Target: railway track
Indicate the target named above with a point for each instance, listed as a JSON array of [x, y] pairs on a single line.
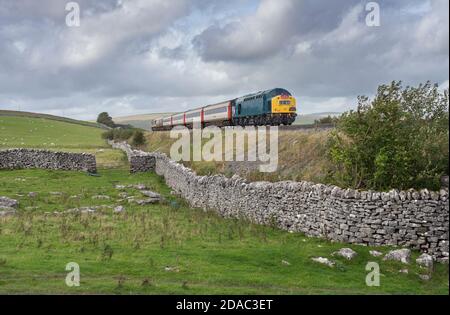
[[312, 127], [309, 127]]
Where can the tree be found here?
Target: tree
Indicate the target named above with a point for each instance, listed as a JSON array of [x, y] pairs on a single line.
[[105, 119], [138, 138], [400, 139]]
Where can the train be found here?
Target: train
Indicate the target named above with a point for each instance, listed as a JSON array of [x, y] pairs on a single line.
[[273, 107]]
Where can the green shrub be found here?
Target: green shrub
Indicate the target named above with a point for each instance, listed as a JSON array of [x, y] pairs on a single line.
[[400, 139], [327, 120], [118, 134], [138, 138], [108, 135]]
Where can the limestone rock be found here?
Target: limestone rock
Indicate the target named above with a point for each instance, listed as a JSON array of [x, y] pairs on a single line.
[[425, 260], [7, 211], [425, 277], [324, 261], [8, 202], [347, 253], [119, 209], [139, 187], [143, 202], [151, 194], [402, 255], [375, 253]]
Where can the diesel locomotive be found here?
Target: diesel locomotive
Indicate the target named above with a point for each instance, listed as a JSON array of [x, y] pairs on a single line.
[[268, 108]]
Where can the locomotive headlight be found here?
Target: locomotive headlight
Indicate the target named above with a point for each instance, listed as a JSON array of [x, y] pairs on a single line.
[[293, 109]]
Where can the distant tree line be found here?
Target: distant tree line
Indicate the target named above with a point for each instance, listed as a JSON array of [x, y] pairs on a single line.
[[399, 139]]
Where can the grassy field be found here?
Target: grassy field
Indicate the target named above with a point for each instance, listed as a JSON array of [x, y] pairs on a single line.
[[57, 135], [51, 117], [166, 248]]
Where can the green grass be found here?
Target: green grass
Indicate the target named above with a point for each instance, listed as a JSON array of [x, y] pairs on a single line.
[[51, 117], [128, 253], [208, 254], [56, 135], [46, 133]]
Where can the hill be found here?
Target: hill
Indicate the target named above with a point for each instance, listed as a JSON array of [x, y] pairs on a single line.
[[51, 117], [34, 131], [139, 121]]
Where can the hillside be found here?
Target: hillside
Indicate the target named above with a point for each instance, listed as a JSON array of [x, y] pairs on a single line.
[[302, 156], [50, 117], [34, 131]]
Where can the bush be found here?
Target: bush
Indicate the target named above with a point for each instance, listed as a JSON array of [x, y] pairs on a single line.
[[138, 138], [326, 120], [400, 139], [118, 134], [108, 135]]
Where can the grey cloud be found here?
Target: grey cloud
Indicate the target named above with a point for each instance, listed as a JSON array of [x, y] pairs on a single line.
[[160, 56], [336, 54], [274, 26]]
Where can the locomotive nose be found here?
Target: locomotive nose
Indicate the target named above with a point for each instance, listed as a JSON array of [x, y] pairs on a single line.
[[284, 104]]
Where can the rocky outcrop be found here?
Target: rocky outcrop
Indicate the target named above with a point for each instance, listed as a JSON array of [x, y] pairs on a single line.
[[31, 158]]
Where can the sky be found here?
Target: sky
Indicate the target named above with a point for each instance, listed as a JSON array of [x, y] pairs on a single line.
[[147, 56]]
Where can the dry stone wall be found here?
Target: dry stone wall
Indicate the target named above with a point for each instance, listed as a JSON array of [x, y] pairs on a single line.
[[416, 219], [139, 161], [31, 158]]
